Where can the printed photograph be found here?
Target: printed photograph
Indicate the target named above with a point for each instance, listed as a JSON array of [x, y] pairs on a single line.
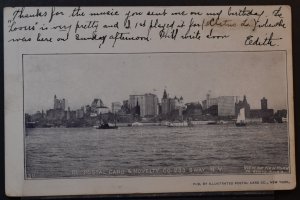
[[155, 114]]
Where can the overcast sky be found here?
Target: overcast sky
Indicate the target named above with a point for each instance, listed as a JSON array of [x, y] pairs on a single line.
[[112, 77]]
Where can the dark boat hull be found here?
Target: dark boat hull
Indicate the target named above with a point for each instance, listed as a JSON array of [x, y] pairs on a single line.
[[212, 123], [106, 126], [240, 124], [114, 127]]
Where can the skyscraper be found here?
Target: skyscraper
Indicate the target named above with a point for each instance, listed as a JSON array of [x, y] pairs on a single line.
[[151, 105], [169, 105], [264, 103], [226, 106], [116, 107], [59, 104], [136, 103], [147, 104], [165, 103], [267, 115]]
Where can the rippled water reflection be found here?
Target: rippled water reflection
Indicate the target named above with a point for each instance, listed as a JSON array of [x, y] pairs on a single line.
[[130, 151]]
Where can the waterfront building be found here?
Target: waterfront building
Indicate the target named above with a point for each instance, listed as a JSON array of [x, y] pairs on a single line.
[[70, 114], [159, 109], [97, 103], [145, 105], [204, 105], [59, 104], [226, 106], [172, 105], [194, 110], [255, 113], [125, 107], [209, 102], [242, 104], [80, 113], [136, 103], [151, 105], [264, 114], [179, 105], [219, 106], [88, 110], [98, 107], [58, 111], [165, 103], [116, 107], [211, 111], [280, 115], [53, 114], [264, 103], [102, 110], [37, 116], [125, 118], [267, 115]]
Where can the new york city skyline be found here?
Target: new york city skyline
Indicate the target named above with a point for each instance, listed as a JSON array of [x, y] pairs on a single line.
[[80, 78]]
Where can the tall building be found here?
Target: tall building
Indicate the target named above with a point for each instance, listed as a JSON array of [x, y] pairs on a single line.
[[136, 103], [194, 109], [165, 103], [71, 114], [242, 104], [116, 107], [226, 106], [267, 115], [58, 111], [209, 102], [145, 105], [204, 105], [59, 104], [53, 114], [125, 107], [169, 105], [151, 105], [264, 103], [80, 113], [219, 106]]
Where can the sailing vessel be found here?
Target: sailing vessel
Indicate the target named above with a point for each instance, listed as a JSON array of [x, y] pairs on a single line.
[[241, 119]]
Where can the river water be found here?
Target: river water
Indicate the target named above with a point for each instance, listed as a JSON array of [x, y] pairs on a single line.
[[156, 151]]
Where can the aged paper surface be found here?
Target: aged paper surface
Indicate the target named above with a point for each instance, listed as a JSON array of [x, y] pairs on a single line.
[[123, 100]]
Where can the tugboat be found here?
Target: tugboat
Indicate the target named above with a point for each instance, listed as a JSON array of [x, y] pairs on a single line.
[[241, 119], [106, 126]]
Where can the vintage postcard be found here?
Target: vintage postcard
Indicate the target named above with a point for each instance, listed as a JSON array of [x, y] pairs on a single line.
[[137, 100]]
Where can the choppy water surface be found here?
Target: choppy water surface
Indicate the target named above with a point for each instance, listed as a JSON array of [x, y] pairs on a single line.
[[156, 150]]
